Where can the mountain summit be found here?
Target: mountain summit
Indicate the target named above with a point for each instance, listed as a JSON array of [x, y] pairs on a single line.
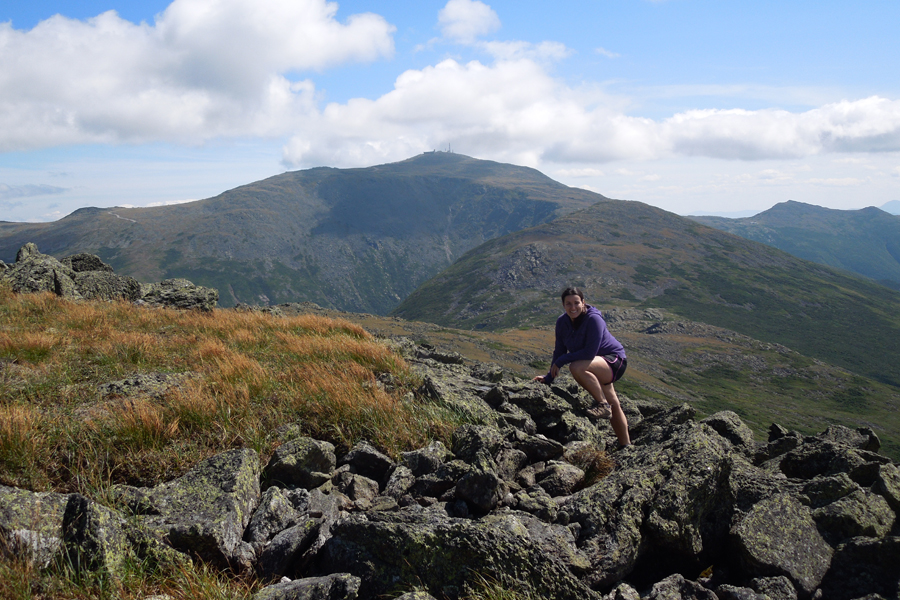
[[353, 239]]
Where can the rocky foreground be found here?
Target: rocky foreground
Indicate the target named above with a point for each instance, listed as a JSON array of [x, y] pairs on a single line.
[[527, 498], [86, 277]]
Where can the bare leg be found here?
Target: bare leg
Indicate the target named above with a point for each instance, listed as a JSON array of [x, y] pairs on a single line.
[[596, 377]]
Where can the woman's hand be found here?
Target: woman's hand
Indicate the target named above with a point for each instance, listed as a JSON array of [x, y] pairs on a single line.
[[554, 371], [540, 378]]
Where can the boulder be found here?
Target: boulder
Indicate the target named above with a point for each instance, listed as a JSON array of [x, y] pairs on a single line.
[[560, 479], [863, 566], [779, 537], [42, 527], [286, 547], [274, 514], [729, 425], [204, 512], [440, 554], [337, 586], [676, 587], [36, 272], [84, 262], [301, 462], [426, 460], [366, 460], [102, 285], [861, 513], [471, 440], [178, 293]]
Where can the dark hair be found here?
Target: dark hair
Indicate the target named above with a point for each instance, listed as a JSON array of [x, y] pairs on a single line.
[[571, 291]]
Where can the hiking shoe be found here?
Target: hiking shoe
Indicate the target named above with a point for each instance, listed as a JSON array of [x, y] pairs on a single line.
[[599, 411]]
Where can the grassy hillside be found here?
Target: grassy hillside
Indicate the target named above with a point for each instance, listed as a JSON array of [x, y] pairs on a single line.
[[628, 254], [354, 239], [101, 393], [864, 241]]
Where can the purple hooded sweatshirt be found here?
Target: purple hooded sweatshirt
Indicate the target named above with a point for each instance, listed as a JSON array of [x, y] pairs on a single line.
[[583, 339]]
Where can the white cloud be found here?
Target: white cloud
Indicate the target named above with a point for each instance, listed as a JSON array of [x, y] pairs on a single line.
[[895, 171], [607, 53], [584, 172], [838, 181], [466, 20], [205, 68], [216, 68]]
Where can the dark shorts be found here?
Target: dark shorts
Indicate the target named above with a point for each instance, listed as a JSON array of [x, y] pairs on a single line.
[[617, 364]]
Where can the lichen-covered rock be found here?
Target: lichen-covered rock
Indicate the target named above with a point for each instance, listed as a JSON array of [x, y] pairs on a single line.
[[676, 587], [861, 438], [560, 479], [337, 586], [456, 388], [95, 538], [84, 262], [40, 527], [356, 487], [540, 448], [470, 440], [779, 537], [416, 596], [366, 460], [36, 272], [887, 483], [861, 513], [538, 401], [301, 462], [729, 425], [779, 587], [399, 482], [274, 514], [440, 554], [179, 293], [101, 285], [276, 557], [204, 512], [815, 457], [31, 524], [426, 460], [733, 592], [482, 489], [509, 462], [863, 566]]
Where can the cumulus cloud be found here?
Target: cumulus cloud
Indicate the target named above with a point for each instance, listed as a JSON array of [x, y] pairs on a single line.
[[466, 20], [514, 110], [607, 53], [216, 68], [205, 68]]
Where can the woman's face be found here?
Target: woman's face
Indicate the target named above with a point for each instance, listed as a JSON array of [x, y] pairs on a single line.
[[574, 306]]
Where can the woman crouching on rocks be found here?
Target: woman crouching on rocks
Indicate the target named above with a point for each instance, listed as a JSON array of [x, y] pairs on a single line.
[[596, 359]]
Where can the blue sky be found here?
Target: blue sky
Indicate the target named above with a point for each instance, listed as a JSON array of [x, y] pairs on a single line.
[[698, 107]]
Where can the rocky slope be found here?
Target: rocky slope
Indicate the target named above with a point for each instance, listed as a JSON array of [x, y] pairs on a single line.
[[865, 241], [525, 496], [354, 239], [629, 254]]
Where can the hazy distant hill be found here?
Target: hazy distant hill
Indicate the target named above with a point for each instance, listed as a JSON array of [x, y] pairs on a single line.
[[892, 207], [864, 241], [628, 254], [352, 239]]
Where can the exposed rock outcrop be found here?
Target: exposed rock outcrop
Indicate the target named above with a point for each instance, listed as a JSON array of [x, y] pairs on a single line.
[[693, 509], [85, 276]]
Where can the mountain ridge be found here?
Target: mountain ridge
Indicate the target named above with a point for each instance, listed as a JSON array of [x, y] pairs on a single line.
[[354, 239], [864, 241]]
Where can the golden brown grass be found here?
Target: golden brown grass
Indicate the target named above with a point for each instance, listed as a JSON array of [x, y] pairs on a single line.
[[247, 375]]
